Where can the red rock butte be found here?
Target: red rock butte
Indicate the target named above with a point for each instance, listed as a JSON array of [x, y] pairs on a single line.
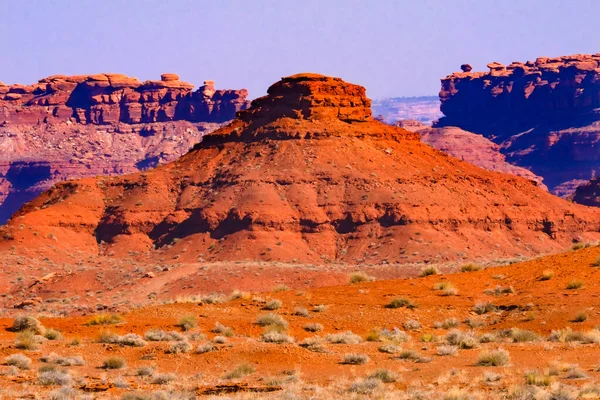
[[113, 98], [304, 175]]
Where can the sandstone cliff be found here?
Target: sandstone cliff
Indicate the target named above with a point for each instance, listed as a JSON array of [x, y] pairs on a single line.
[[542, 113], [305, 175], [66, 127], [588, 193]]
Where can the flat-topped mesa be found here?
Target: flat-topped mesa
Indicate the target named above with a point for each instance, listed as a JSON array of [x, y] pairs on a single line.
[[114, 98], [311, 97], [521, 95]]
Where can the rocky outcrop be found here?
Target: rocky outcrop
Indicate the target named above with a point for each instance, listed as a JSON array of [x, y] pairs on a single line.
[[542, 113], [470, 147], [588, 194], [305, 175], [114, 98], [66, 127]]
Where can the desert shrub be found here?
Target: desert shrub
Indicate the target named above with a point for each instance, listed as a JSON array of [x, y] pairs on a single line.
[[52, 334], [394, 335], [384, 375], [578, 246], [20, 361], [493, 358], [574, 372], [447, 350], [314, 327], [580, 317], [60, 378], [470, 268], [449, 291], [54, 358], [272, 305], [163, 379], [105, 319], [28, 323], [347, 337], [272, 320], [484, 308], [500, 290], [463, 340], [188, 322], [567, 335], [131, 339], [179, 347], [546, 275], [358, 277], [320, 308], [158, 335], [523, 336], [355, 359], [28, 340], [64, 393], [206, 348], [457, 394], [474, 323], [314, 344], [411, 325], [428, 271], [574, 284], [219, 340], [491, 377], [222, 330], [113, 363], [240, 371], [301, 312], [281, 288], [409, 355], [428, 338], [277, 337], [447, 323], [400, 303], [389, 348], [366, 386], [145, 371]]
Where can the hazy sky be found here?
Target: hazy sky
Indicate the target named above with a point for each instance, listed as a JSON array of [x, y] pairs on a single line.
[[393, 47]]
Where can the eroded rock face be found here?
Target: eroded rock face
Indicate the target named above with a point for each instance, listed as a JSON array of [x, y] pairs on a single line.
[[304, 175], [542, 113], [112, 98], [588, 194], [66, 127]]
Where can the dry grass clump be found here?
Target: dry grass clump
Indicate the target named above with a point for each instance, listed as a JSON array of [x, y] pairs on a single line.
[[567, 335], [320, 308], [484, 308], [163, 379], [113, 363], [222, 330], [240, 371], [20, 361], [54, 358], [547, 275], [580, 317], [411, 355], [390, 348], [470, 268], [523, 336], [272, 320], [447, 323], [400, 303], [158, 335], [428, 271], [301, 312], [28, 323], [28, 340], [358, 277], [355, 359], [59, 378], [411, 325], [314, 344], [129, 339], [384, 375], [447, 350], [394, 335], [500, 290], [145, 371], [281, 288], [314, 327], [276, 337], [347, 337], [52, 334], [463, 340], [105, 319], [206, 348], [179, 347], [494, 358], [574, 372], [574, 284], [188, 323], [273, 305], [535, 378], [365, 387]]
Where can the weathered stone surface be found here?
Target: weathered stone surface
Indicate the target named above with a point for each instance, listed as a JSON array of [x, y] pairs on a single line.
[[588, 194], [542, 113]]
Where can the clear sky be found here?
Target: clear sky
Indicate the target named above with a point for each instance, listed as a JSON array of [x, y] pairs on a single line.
[[393, 47]]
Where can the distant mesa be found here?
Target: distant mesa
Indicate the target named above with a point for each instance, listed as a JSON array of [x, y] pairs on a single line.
[[305, 175], [588, 194]]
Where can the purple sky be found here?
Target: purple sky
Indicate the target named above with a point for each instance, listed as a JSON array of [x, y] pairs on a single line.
[[394, 48]]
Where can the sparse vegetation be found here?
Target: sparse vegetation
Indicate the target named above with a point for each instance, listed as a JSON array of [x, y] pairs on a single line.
[[428, 271], [355, 359], [400, 303], [384, 375], [222, 330], [347, 337], [240, 371], [494, 358], [188, 323], [358, 277], [105, 319], [447, 350], [272, 305], [28, 340], [547, 275], [60, 378], [20, 361], [470, 268], [314, 327], [272, 320], [523, 336], [113, 363], [484, 308], [28, 323], [179, 347], [574, 284], [52, 334], [277, 337], [580, 317]]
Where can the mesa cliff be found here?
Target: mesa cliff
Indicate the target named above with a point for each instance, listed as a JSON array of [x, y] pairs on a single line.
[[542, 113], [304, 175], [66, 127]]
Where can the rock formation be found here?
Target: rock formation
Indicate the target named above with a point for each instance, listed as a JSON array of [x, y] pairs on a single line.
[[542, 113], [588, 194], [305, 175], [470, 147], [67, 127]]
